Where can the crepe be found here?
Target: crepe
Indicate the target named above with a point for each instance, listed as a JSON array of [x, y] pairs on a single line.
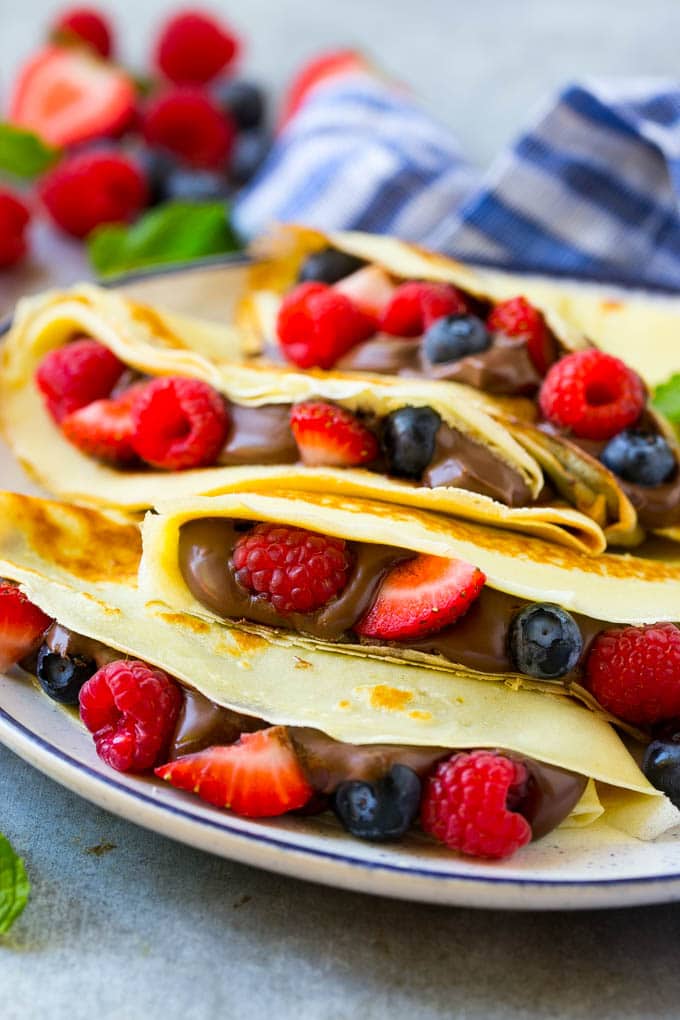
[[80, 565], [578, 477], [158, 343]]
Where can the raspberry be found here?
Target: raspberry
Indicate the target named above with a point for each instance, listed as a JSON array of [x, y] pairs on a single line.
[[317, 324], [297, 571], [14, 218], [416, 305], [92, 188], [465, 804], [77, 374], [179, 423], [84, 25], [593, 394], [517, 318], [194, 47], [131, 709], [187, 123], [634, 672]]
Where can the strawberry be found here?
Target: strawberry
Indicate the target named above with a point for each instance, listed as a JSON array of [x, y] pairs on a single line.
[[330, 436], [316, 325], [370, 289], [519, 319], [415, 305], [22, 625], [66, 95], [420, 597], [104, 428], [259, 776], [323, 68]]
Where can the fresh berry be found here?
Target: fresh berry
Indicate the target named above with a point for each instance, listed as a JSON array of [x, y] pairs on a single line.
[[408, 440], [415, 305], [84, 25], [420, 597], [382, 810], [321, 69], [194, 47], [643, 458], [157, 165], [102, 429], [179, 423], [328, 265], [258, 777], [92, 188], [186, 122], [22, 625], [455, 336], [195, 186], [130, 708], [592, 394], [661, 766], [316, 325], [370, 289], [14, 218], [330, 436], [72, 376], [518, 319], [242, 100], [296, 571], [466, 804], [634, 672], [67, 96], [545, 641], [62, 676], [249, 153]]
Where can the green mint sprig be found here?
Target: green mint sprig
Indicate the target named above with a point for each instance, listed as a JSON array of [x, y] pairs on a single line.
[[14, 885], [23, 154]]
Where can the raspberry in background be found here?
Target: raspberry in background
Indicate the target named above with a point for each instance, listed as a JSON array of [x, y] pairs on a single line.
[[130, 708], [592, 394], [83, 25], [186, 122], [14, 218], [72, 376], [519, 319], [178, 423], [316, 325], [634, 672], [194, 47], [91, 188], [465, 804], [415, 305]]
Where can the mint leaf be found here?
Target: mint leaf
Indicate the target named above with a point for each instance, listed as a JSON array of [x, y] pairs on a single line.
[[14, 885], [174, 232], [666, 398], [24, 154]]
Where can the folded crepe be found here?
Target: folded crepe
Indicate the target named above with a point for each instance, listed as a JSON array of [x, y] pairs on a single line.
[[498, 379], [80, 567], [482, 472]]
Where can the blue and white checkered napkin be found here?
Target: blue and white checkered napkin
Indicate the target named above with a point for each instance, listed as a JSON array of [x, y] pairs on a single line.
[[592, 188]]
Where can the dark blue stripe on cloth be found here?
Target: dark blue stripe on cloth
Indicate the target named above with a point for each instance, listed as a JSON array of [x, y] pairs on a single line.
[[664, 108], [392, 198], [588, 106]]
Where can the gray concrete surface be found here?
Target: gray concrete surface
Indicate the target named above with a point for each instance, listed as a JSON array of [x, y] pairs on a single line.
[[152, 929]]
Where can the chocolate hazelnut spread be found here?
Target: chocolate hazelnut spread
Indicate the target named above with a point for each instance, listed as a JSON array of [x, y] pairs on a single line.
[[459, 461], [66, 643], [259, 435]]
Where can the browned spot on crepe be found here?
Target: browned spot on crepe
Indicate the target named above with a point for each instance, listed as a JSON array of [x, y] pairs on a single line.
[[186, 621], [391, 698], [150, 318]]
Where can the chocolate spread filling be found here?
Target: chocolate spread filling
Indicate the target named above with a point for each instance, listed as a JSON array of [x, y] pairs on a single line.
[[259, 435]]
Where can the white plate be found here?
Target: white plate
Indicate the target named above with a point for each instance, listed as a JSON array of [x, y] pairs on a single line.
[[570, 869]]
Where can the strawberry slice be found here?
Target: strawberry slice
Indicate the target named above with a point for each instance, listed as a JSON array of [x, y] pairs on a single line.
[[415, 305], [371, 290], [517, 318], [104, 428], [420, 597], [259, 776], [22, 625], [67, 95], [330, 436]]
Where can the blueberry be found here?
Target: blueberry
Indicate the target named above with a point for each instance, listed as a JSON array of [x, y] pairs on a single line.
[[250, 149], [156, 167], [639, 457], [195, 186], [455, 336], [328, 266], [381, 810], [545, 641], [408, 438], [244, 100], [661, 765], [62, 676]]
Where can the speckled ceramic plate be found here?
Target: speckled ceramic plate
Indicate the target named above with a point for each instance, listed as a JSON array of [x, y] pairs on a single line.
[[571, 869]]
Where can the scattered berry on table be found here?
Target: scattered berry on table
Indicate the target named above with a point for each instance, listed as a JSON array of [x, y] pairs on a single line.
[[328, 265], [178, 423], [545, 641], [186, 122], [130, 708], [661, 766], [465, 804], [62, 676], [455, 336], [381, 810], [249, 153], [592, 394], [519, 319], [185, 185], [84, 25], [77, 374], [416, 305], [22, 625], [194, 47], [330, 436], [14, 219], [156, 165], [258, 777], [320, 69], [102, 429], [243, 100], [316, 325], [408, 440], [297, 571], [642, 458], [634, 672], [421, 596]]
